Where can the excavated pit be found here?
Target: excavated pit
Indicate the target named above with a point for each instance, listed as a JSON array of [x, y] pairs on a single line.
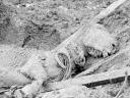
[[44, 24]]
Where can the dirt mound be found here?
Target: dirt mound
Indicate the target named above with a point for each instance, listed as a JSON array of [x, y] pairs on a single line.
[[44, 24]]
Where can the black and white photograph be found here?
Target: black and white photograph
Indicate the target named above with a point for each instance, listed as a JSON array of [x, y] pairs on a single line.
[[64, 48]]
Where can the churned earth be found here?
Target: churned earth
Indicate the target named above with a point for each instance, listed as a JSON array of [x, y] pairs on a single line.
[[44, 24]]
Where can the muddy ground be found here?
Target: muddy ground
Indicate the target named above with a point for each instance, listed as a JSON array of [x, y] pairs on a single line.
[[43, 24]]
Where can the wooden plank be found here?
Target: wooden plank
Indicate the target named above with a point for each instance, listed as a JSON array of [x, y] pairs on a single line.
[[91, 79]]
